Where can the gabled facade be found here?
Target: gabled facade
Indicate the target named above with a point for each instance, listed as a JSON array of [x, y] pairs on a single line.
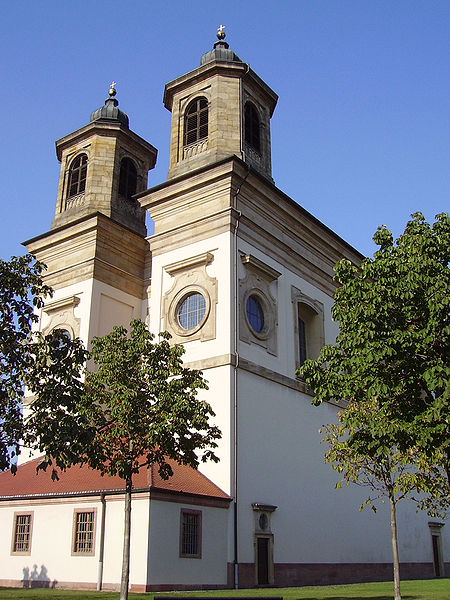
[[242, 276]]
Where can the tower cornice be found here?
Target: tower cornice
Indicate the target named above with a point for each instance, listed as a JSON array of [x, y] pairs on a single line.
[[108, 129], [233, 69]]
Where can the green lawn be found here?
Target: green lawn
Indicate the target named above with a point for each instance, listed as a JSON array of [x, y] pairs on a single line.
[[432, 589]]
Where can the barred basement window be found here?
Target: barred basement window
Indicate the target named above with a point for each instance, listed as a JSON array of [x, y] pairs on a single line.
[[251, 127], [191, 534], [196, 121], [83, 534], [22, 533], [127, 178], [77, 176]]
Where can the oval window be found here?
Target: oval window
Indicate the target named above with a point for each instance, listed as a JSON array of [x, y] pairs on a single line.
[[191, 310], [63, 338], [255, 314]]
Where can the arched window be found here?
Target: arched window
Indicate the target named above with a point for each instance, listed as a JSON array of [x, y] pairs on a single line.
[[127, 178], [196, 121], [77, 176], [251, 127], [310, 333]]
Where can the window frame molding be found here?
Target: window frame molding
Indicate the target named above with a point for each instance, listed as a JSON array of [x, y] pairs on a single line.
[[260, 509], [195, 98], [436, 532], [76, 512], [69, 169], [16, 514], [257, 281], [190, 276], [195, 148], [298, 298], [61, 315], [199, 515]]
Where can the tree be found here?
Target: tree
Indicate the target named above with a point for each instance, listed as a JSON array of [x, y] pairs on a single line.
[[388, 472], [390, 363], [21, 292], [28, 359], [394, 338], [138, 406]]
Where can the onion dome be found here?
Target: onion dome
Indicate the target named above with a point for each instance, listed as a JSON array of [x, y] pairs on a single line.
[[221, 51], [110, 112]]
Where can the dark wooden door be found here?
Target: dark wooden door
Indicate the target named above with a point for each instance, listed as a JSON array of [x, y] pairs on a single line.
[[263, 561]]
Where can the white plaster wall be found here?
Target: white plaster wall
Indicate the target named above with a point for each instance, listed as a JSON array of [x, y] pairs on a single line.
[[83, 290], [111, 307], [114, 525], [218, 378], [219, 268], [51, 544], [218, 395], [283, 361], [165, 564], [281, 463]]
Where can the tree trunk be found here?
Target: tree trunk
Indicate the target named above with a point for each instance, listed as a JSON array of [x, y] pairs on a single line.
[[447, 467], [397, 595], [126, 543]]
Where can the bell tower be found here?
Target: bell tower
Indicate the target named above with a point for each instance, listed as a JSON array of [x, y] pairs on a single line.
[[96, 251], [103, 165], [220, 109]]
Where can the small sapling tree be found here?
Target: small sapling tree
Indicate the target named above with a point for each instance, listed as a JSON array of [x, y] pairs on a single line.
[[390, 364], [138, 406]]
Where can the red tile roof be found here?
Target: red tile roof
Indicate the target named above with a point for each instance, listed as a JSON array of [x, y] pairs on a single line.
[[81, 479]]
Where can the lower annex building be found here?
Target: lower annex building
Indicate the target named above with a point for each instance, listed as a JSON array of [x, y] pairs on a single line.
[[242, 276]]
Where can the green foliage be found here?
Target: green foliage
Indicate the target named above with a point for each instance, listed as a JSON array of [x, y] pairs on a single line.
[[388, 472], [140, 405], [21, 292], [137, 405], [53, 423], [391, 357]]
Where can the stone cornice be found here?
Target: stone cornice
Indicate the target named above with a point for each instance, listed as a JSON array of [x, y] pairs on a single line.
[[110, 129], [193, 208], [95, 247], [235, 69]]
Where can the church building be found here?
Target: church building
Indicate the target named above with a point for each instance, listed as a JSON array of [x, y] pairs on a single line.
[[242, 276]]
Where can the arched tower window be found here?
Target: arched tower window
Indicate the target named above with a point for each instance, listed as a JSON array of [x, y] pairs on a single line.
[[196, 121], [127, 178], [77, 176], [251, 127]]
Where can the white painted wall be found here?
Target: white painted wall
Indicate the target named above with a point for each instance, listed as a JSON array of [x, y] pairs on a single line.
[[165, 564], [219, 268], [51, 544], [281, 463], [114, 525]]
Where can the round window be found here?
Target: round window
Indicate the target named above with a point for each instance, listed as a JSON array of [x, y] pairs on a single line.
[[255, 314], [63, 337], [191, 310]]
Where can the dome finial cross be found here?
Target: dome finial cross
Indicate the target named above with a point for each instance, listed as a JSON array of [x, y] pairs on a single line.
[[112, 89], [221, 32]]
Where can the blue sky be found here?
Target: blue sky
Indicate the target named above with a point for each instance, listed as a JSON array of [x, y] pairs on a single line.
[[360, 136]]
